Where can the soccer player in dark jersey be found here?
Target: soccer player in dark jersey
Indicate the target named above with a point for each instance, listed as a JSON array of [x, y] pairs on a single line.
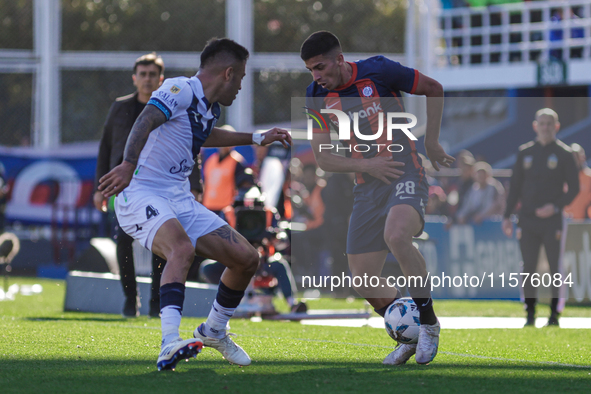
[[391, 188]]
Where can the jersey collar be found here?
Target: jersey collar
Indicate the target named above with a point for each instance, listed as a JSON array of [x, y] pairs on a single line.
[[197, 88], [352, 79]]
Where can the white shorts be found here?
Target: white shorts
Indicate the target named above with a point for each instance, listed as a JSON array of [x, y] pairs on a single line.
[[141, 213]]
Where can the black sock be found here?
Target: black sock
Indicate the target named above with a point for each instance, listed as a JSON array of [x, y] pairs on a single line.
[[420, 291], [425, 306], [227, 297], [554, 307], [530, 305], [172, 294]]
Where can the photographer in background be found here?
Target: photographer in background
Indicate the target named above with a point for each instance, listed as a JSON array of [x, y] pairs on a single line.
[[258, 224]]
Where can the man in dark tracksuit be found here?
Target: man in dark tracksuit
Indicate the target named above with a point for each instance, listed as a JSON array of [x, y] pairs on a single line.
[[148, 74], [542, 168]]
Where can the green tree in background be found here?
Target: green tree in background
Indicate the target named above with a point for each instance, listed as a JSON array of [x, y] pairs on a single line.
[[15, 109], [141, 25], [361, 25], [16, 24]]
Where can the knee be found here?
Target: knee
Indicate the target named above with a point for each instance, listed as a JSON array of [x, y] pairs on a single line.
[[397, 241], [250, 261], [183, 253], [357, 271]]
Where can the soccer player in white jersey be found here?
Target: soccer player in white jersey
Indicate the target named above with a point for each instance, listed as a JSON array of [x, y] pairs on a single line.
[[155, 206]]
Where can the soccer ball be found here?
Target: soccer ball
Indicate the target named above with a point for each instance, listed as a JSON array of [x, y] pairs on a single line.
[[402, 321]]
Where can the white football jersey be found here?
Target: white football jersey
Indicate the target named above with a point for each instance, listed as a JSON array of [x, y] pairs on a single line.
[[169, 155]]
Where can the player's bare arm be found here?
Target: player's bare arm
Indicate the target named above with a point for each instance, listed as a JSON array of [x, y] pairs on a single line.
[[434, 92], [220, 137], [382, 168], [119, 177]]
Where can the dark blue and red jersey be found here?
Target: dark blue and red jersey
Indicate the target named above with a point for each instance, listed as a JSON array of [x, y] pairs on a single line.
[[374, 88]]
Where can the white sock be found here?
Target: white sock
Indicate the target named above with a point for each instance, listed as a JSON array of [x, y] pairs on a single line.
[[290, 301], [170, 321], [217, 321]]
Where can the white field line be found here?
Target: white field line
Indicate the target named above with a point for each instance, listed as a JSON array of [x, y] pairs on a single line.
[[461, 323]]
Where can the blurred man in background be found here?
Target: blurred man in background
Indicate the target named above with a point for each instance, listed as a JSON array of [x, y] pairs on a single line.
[[485, 197], [542, 169]]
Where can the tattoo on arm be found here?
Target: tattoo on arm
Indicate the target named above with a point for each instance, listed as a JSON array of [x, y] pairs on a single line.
[[150, 118], [227, 233]]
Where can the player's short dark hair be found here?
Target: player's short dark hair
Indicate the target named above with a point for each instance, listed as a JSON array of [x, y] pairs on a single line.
[[216, 46], [319, 43], [150, 58]]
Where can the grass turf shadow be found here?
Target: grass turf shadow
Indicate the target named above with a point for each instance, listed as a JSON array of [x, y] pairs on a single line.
[[207, 375]]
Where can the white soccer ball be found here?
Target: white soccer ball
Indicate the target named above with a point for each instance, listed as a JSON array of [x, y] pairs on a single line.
[[402, 321]]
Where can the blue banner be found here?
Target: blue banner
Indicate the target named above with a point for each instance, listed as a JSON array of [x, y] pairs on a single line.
[[471, 261], [50, 186]]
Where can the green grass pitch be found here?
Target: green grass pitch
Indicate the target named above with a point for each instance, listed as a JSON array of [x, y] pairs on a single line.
[[46, 350]]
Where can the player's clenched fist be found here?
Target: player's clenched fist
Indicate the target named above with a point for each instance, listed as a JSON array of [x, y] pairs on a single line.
[[116, 180], [276, 134]]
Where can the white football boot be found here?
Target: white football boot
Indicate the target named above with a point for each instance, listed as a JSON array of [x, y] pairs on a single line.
[[401, 354], [231, 351], [428, 342]]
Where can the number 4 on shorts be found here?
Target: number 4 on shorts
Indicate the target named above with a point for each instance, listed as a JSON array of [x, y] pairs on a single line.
[[151, 212]]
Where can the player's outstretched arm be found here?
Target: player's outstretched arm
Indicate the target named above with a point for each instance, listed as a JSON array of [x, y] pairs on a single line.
[[434, 91], [119, 177], [221, 137], [382, 168]]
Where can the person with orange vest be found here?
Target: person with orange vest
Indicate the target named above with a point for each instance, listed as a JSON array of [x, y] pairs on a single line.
[[224, 173], [580, 208]]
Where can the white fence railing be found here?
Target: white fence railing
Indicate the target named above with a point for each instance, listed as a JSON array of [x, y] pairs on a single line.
[[514, 33]]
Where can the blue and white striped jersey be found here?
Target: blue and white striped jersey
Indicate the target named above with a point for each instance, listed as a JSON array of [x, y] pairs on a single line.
[[169, 155]]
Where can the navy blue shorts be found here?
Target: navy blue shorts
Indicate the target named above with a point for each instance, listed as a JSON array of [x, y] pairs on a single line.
[[373, 201]]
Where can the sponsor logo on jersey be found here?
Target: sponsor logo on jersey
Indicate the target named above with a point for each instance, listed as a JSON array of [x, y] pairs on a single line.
[[167, 99], [181, 168], [175, 89], [374, 109]]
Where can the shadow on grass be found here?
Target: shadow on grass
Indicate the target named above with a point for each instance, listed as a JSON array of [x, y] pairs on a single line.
[[212, 376]]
